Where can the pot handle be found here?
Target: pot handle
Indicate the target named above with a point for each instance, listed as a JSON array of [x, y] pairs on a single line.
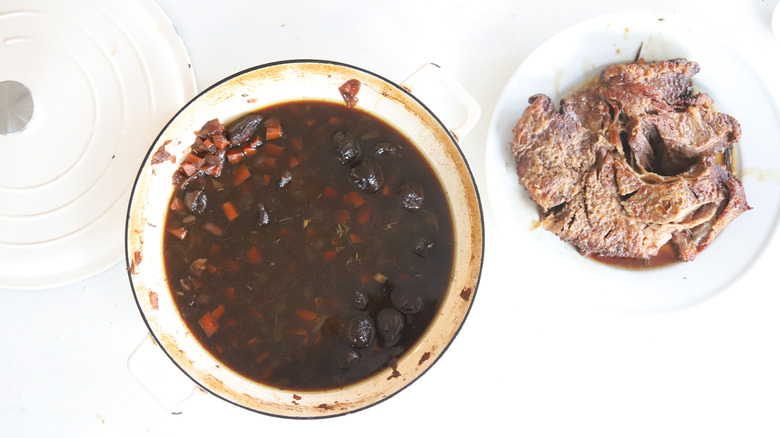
[[149, 365], [429, 74]]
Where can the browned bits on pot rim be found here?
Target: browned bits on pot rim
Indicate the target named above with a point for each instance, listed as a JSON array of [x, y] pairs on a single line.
[[162, 155], [394, 374], [465, 293], [424, 357], [349, 91]]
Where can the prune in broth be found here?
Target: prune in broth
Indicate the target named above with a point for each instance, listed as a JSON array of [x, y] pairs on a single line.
[[309, 244]]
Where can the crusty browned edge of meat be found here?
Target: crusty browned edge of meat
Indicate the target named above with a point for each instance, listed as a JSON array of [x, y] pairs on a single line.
[[627, 165]]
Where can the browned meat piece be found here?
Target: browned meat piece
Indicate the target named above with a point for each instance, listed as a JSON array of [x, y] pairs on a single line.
[[628, 164]]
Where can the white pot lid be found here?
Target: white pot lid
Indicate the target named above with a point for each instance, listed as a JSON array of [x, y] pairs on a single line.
[[85, 87]]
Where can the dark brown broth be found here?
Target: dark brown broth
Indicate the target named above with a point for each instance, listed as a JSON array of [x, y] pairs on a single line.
[[282, 293]]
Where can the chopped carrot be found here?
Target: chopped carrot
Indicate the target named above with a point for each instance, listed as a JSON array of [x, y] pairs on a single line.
[[208, 143], [249, 150], [230, 293], [219, 141], [177, 204], [343, 217], [307, 315], [365, 278], [334, 120], [273, 149], [252, 341], [253, 254], [261, 357], [219, 348], [233, 265], [211, 268], [269, 162], [209, 324], [235, 155], [214, 250], [218, 312], [179, 232], [245, 189], [330, 255], [364, 216], [354, 198], [286, 232], [230, 210], [354, 238], [334, 241], [266, 179], [296, 143], [256, 313], [330, 192], [191, 164], [241, 174], [213, 228], [229, 322], [273, 129], [293, 162], [254, 143], [302, 333], [386, 190]]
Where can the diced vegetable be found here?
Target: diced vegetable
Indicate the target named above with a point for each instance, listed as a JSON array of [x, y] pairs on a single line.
[[230, 210], [177, 204], [179, 232], [306, 315], [209, 324], [330, 192], [256, 313], [273, 129], [191, 164], [241, 174], [253, 255], [235, 155], [297, 143], [273, 149], [364, 216], [354, 198], [219, 141], [269, 162]]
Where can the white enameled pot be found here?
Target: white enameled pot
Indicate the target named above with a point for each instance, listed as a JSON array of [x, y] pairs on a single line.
[[257, 88]]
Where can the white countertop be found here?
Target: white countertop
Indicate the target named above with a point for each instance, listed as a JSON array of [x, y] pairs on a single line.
[[524, 364]]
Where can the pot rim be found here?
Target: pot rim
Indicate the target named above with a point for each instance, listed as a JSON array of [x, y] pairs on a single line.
[[129, 258]]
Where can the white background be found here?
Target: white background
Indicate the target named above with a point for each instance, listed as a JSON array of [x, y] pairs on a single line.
[[523, 364]]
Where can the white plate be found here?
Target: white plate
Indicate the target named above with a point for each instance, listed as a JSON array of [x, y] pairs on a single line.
[[581, 51], [104, 78]]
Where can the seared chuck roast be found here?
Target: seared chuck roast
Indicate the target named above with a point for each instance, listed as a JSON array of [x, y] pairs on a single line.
[[629, 164]]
